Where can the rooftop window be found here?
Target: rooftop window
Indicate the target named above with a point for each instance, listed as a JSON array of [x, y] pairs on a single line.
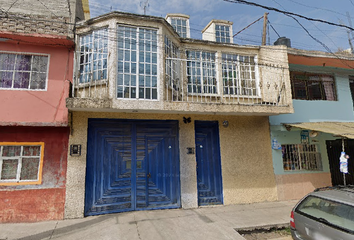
[[222, 33]]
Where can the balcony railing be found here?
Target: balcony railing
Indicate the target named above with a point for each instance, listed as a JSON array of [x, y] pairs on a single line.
[[268, 88]]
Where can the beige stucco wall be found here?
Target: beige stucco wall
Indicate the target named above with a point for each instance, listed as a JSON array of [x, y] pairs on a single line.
[[245, 158], [296, 186]]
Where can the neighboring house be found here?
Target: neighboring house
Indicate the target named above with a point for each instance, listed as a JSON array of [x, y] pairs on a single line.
[[160, 120], [36, 59], [307, 144]]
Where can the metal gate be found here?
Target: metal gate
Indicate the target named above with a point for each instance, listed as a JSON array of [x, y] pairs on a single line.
[[208, 163], [131, 165], [334, 148]]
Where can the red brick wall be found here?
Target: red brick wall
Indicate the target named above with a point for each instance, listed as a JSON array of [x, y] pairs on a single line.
[[45, 201]]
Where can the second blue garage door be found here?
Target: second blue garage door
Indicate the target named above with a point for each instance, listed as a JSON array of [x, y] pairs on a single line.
[[131, 165]]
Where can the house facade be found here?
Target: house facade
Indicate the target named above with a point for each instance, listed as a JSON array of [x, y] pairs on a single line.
[[159, 120], [307, 144], [36, 59]]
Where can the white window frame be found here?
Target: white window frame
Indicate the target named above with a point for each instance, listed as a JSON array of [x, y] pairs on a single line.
[[175, 26], [19, 158], [172, 63], [95, 37], [299, 157], [138, 62], [238, 64], [215, 76], [29, 84], [223, 31]]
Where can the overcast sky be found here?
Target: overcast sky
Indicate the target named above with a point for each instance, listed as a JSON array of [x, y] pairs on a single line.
[[202, 11]]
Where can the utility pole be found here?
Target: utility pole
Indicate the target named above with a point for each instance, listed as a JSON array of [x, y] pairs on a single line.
[[264, 35]]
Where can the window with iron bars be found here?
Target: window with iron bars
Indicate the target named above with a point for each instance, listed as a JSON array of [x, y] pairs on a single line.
[[297, 157], [172, 64], [93, 56], [239, 75], [306, 86], [201, 72]]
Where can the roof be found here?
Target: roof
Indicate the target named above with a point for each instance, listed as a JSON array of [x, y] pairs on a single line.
[[343, 129]]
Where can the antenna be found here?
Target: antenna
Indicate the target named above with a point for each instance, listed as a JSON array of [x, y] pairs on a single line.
[[146, 5], [350, 33]]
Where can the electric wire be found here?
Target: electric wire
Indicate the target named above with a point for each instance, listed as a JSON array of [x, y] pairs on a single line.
[[289, 13]]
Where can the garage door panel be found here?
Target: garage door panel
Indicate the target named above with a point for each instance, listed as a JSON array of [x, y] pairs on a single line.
[[131, 166]]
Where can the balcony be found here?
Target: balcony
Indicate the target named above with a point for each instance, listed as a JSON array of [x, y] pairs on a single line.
[[266, 93]]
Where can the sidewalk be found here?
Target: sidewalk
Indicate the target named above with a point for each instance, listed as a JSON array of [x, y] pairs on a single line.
[[206, 223]]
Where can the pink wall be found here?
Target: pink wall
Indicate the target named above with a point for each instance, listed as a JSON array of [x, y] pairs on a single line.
[[296, 186], [39, 108]]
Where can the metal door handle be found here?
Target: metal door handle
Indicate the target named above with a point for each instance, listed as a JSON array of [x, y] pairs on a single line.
[[149, 175]]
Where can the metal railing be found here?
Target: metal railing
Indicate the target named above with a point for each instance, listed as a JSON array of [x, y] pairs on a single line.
[[268, 88]]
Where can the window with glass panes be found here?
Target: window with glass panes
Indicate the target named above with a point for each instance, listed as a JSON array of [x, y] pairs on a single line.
[[310, 86], [222, 33], [180, 25], [201, 72], [172, 66], [239, 75], [137, 63], [20, 163], [93, 56], [301, 157], [23, 71]]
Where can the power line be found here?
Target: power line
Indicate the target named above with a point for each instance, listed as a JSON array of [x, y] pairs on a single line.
[[273, 28], [11, 6], [51, 10], [289, 13], [328, 10]]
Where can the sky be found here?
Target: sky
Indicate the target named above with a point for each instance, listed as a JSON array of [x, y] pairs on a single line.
[[325, 37]]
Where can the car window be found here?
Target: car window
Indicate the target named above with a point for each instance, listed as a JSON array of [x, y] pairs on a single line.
[[335, 214]]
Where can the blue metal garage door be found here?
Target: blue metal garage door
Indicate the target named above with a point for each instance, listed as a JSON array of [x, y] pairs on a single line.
[[208, 163], [131, 165]]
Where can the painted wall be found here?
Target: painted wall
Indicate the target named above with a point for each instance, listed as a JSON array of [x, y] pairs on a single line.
[[319, 111], [247, 171], [39, 108], [295, 184], [30, 203]]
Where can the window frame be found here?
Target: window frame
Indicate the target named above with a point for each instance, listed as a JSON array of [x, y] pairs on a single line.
[[226, 62], [32, 54], [224, 31], [294, 156], [172, 63], [298, 77], [138, 62], [213, 68], [18, 181], [90, 54], [181, 33]]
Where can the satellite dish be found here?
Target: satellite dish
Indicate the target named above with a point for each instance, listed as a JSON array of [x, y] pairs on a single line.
[[313, 134]]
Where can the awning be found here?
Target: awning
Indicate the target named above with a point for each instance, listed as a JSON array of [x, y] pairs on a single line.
[[343, 129]]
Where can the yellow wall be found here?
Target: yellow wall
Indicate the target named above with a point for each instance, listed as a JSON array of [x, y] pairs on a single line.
[[246, 160]]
